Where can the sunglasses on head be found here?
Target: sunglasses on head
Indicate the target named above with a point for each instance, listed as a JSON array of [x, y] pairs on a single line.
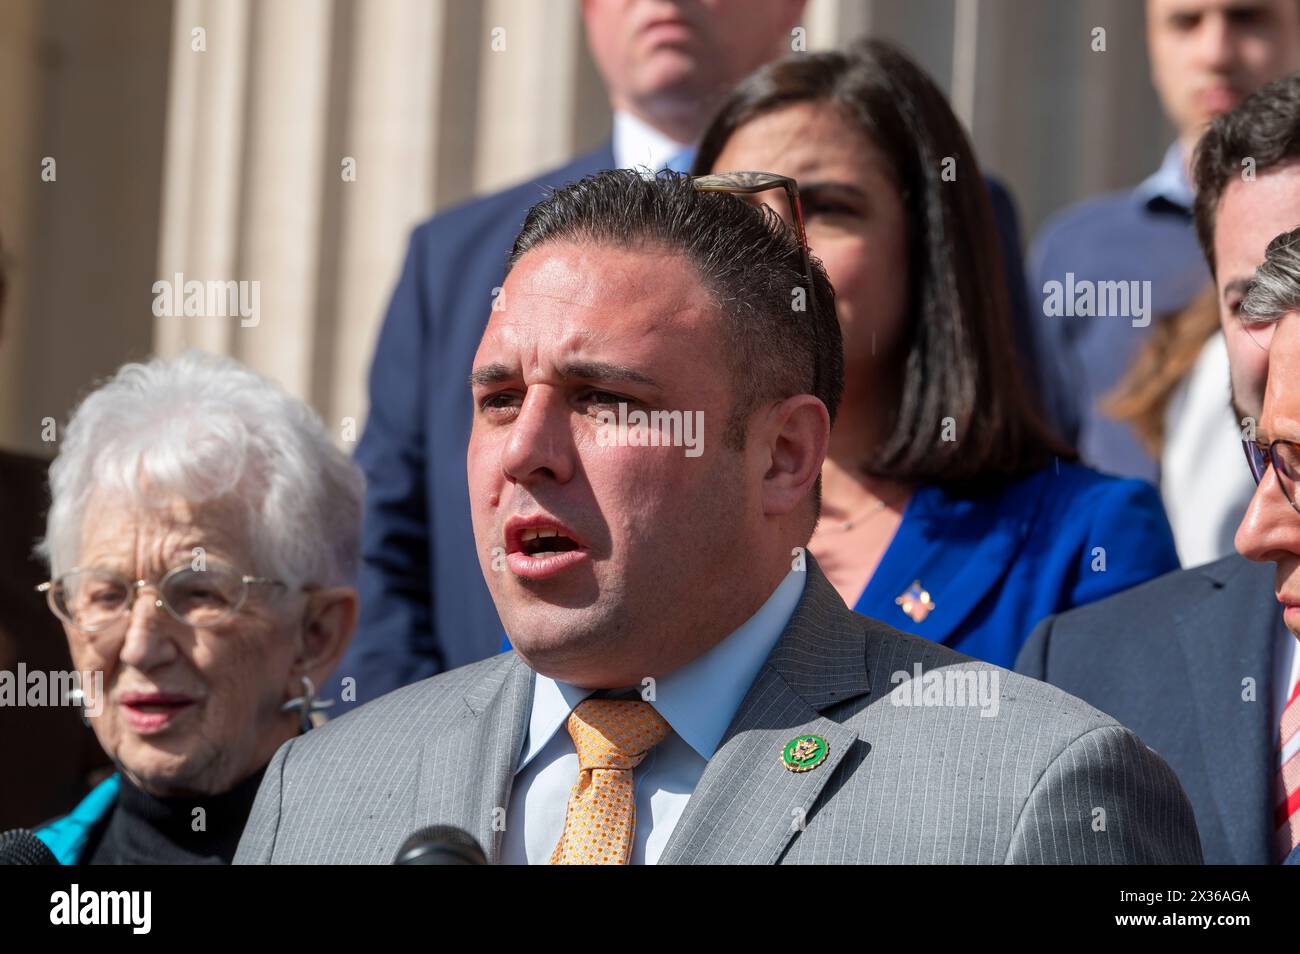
[[751, 183]]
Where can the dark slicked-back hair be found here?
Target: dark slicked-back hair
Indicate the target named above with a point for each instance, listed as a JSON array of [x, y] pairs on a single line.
[[746, 257], [1264, 128], [959, 356]]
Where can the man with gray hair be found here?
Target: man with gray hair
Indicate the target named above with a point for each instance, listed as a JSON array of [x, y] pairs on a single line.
[[1270, 531], [685, 684]]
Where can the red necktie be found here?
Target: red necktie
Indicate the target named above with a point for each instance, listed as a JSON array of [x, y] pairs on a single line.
[[1286, 817]]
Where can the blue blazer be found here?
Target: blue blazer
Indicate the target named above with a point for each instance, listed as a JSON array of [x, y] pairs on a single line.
[[424, 604], [1117, 237], [993, 567], [1187, 662]]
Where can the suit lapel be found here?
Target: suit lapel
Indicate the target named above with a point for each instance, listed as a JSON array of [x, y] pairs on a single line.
[[1229, 636], [747, 805], [466, 772]]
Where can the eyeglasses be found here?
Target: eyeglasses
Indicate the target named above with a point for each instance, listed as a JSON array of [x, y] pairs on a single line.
[[750, 183], [1283, 457], [92, 600]]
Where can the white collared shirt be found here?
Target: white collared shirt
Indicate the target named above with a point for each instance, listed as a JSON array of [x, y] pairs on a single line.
[[1205, 481], [698, 701], [638, 145]]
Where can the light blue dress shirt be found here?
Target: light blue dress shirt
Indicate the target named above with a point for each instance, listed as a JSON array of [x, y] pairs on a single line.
[[698, 701], [1168, 183]]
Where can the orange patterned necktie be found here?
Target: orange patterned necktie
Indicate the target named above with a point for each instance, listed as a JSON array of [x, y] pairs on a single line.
[[612, 736]]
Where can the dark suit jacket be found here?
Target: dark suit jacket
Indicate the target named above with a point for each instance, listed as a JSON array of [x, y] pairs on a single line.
[[424, 605], [1168, 660]]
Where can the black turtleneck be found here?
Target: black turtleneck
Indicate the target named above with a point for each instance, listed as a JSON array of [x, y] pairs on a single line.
[[143, 829]]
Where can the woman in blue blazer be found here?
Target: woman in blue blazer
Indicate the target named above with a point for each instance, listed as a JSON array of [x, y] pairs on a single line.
[[949, 509]]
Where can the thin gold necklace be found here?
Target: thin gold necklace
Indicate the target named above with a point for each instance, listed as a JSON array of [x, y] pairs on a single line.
[[846, 525]]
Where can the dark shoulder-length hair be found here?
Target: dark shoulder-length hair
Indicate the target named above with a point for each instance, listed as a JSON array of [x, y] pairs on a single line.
[[959, 359]]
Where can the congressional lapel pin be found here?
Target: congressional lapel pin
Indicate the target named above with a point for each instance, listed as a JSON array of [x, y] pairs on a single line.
[[916, 602], [804, 753]]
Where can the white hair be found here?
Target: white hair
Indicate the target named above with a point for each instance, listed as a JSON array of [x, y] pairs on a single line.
[[206, 428]]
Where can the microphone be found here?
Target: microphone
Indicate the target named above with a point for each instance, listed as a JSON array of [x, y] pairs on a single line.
[[21, 847], [440, 845]]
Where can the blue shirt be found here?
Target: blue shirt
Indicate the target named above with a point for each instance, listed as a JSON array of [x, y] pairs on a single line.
[[698, 701], [1144, 235], [66, 837], [995, 566]]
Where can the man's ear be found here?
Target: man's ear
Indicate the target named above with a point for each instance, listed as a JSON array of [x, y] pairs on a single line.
[[796, 434], [329, 619]]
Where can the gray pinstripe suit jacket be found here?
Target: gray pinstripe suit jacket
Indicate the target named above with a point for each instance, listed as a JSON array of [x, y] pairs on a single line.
[[1047, 779]]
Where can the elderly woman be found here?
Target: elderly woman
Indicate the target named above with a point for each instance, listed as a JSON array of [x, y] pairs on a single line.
[[201, 540]]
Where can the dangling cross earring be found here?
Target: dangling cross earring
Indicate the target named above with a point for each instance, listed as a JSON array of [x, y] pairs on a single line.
[[306, 704]]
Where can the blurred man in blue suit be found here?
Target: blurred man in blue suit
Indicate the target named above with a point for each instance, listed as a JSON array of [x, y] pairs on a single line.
[[1199, 662], [1206, 56], [424, 605]]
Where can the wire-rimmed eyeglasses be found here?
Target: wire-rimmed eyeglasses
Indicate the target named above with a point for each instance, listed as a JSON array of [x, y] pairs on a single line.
[[92, 599], [1283, 456]]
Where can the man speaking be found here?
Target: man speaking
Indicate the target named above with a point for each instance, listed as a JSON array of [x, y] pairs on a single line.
[[685, 685]]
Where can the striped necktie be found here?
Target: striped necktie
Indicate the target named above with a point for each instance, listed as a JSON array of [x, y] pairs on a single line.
[[1286, 818]]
